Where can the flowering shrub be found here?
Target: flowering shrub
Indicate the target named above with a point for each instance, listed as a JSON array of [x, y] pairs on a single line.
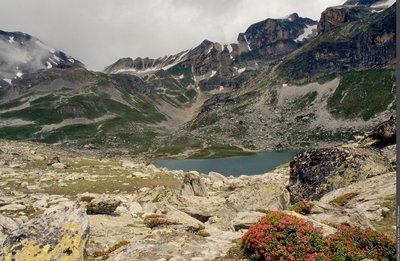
[[155, 220], [302, 207], [355, 243], [278, 236], [200, 231]]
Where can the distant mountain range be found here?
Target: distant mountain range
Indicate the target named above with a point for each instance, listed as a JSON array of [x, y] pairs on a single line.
[[286, 83]]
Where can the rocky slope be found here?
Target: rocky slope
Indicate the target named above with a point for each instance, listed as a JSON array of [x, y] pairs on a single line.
[[156, 213]]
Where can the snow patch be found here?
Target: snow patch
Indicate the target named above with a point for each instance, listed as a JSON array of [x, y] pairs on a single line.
[[248, 43], [7, 80], [384, 4], [308, 31], [209, 50], [11, 39], [51, 60], [230, 49], [19, 74], [181, 76], [71, 60], [125, 70], [48, 65], [242, 70], [57, 58], [213, 73]]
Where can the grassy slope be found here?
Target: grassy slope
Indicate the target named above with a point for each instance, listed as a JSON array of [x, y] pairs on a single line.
[[363, 94]]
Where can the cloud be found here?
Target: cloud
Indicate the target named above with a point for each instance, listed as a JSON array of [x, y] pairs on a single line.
[[98, 32]]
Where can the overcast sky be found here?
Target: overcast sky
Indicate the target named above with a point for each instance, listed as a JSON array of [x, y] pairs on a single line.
[[98, 32]]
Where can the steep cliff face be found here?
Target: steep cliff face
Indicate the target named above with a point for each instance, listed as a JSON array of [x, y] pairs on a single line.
[[363, 44], [271, 39], [334, 16]]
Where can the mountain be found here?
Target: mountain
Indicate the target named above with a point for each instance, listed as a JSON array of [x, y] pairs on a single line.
[[366, 43], [272, 39], [22, 53], [337, 84], [287, 83]]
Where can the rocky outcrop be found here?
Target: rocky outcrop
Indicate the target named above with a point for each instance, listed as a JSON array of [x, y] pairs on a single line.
[[271, 39], [60, 234], [268, 196], [193, 186], [364, 44], [315, 172], [385, 133], [334, 16], [102, 206]]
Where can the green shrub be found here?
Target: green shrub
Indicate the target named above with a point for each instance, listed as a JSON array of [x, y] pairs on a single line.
[[155, 220], [355, 243], [343, 199], [302, 207]]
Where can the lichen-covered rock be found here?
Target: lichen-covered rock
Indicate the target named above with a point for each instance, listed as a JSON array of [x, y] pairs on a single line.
[[267, 196], [316, 172], [102, 206], [60, 233], [193, 186]]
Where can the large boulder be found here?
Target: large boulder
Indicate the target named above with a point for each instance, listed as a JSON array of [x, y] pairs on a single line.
[[102, 206], [264, 196], [61, 233], [385, 133], [193, 186], [315, 172]]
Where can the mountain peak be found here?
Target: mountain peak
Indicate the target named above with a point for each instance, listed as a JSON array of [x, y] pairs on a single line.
[[22, 53]]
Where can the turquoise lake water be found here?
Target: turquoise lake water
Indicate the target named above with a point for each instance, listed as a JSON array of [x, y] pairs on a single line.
[[233, 166]]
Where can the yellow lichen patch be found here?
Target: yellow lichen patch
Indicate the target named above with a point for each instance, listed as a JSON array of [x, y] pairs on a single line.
[[68, 249]]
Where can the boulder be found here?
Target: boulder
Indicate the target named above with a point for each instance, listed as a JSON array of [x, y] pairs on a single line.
[[385, 133], [178, 217], [244, 220], [264, 196], [193, 186], [61, 233], [135, 208], [102, 206], [316, 172]]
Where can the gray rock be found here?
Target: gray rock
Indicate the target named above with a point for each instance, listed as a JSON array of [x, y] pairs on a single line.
[[7, 225], [175, 216], [135, 208], [60, 233], [244, 220], [102, 206], [12, 207], [268, 196], [40, 204], [59, 165], [193, 186]]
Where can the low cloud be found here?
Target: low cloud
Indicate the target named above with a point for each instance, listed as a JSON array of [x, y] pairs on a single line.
[[98, 32]]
